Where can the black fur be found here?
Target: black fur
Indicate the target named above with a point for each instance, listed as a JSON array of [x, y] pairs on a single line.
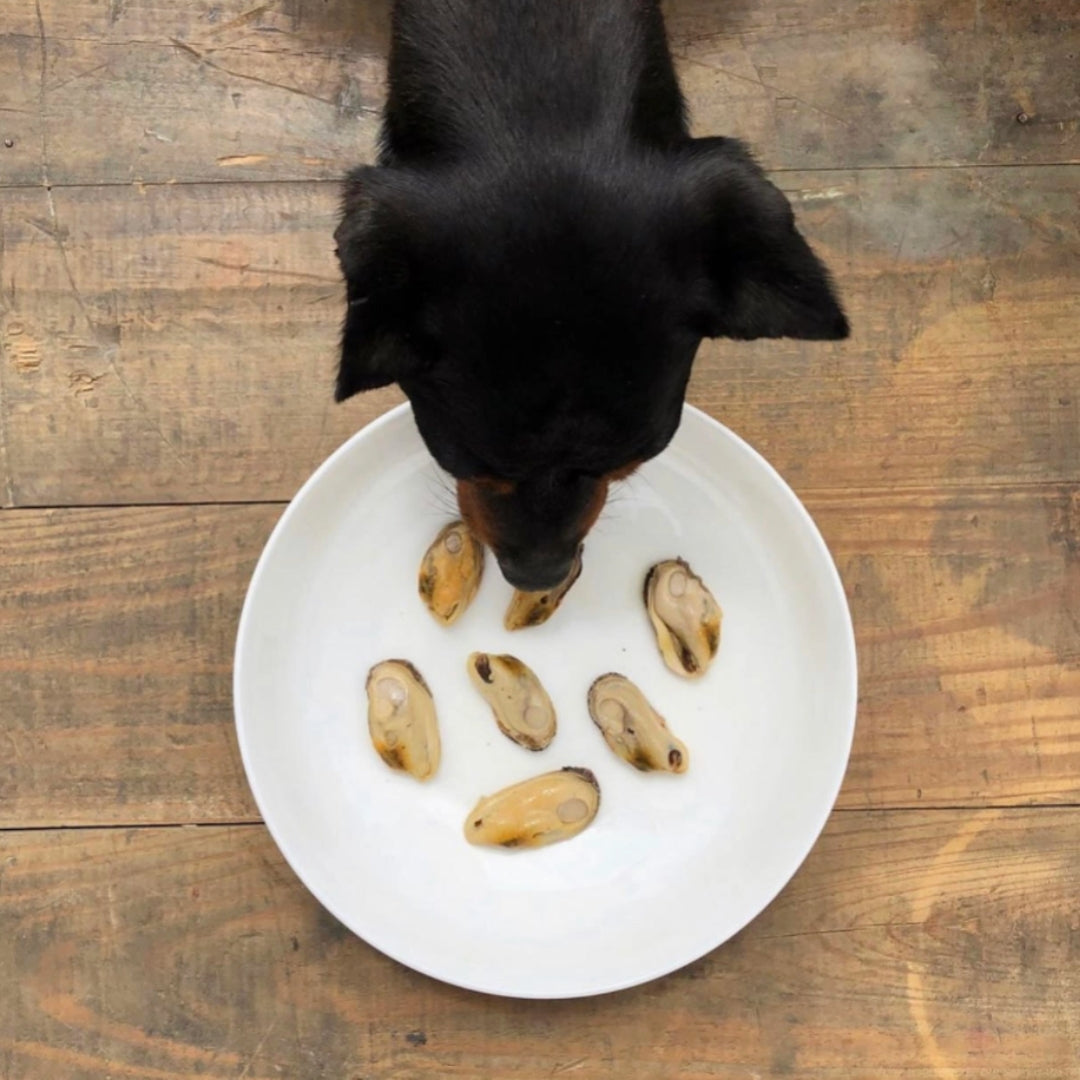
[[541, 248]]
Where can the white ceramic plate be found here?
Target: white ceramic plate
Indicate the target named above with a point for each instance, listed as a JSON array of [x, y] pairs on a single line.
[[672, 866]]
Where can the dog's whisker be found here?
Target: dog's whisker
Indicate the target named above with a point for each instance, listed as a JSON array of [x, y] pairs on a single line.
[[441, 494], [609, 516]]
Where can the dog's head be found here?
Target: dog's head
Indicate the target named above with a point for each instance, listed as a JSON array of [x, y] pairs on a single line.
[[543, 319]]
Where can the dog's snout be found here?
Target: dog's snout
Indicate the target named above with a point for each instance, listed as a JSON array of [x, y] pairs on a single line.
[[535, 528], [535, 573]]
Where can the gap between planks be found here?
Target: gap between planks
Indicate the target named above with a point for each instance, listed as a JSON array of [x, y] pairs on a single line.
[[252, 823], [807, 494], [772, 171]]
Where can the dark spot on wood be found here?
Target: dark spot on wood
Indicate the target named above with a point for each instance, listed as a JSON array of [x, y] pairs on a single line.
[[416, 1038], [674, 758], [1063, 514], [783, 1059], [330, 929], [350, 99], [295, 944]]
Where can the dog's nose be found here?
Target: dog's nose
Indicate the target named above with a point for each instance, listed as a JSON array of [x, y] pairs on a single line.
[[535, 573]]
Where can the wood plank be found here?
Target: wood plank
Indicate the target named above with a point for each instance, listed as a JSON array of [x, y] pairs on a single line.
[[201, 91], [117, 628], [965, 608], [920, 946], [171, 344], [894, 83], [291, 89], [178, 343], [116, 638]]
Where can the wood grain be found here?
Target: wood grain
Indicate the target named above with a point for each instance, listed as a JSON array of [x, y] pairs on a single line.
[[291, 89], [895, 83], [138, 90], [116, 639], [169, 309], [117, 629], [920, 946], [965, 607], [178, 343], [161, 350]]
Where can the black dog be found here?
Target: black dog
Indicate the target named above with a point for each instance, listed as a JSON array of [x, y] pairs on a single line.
[[541, 250]]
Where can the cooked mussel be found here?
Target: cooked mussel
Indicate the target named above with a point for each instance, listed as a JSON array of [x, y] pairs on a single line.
[[534, 608], [401, 718], [517, 698], [633, 728], [685, 617], [544, 810], [450, 572]]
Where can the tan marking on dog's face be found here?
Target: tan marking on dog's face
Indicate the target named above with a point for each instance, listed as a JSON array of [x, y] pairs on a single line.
[[474, 505], [477, 500], [622, 473]]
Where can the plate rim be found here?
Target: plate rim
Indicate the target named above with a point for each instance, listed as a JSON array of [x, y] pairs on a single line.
[[836, 586]]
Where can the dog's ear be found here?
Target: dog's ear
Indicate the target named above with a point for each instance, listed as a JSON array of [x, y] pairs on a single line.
[[760, 277], [382, 290]]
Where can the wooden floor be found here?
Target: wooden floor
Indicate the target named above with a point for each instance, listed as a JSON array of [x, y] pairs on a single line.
[[169, 308]]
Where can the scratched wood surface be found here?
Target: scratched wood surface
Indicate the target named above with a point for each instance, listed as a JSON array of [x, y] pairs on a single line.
[[118, 90], [177, 343], [927, 944], [168, 317]]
